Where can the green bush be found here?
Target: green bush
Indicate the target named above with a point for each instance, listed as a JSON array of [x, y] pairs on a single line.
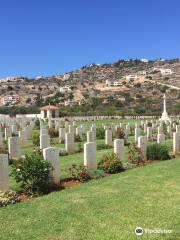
[[53, 132], [96, 174], [157, 151], [100, 133], [120, 133], [35, 139], [37, 124], [79, 172], [3, 150], [32, 173], [110, 163], [79, 148], [103, 146], [135, 155], [77, 138]]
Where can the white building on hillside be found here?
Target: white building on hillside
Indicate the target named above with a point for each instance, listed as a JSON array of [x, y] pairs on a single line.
[[66, 76], [65, 89], [144, 60], [10, 100], [132, 77], [112, 83], [166, 71]]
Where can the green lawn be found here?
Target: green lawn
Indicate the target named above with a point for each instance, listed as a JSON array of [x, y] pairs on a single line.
[[108, 208]]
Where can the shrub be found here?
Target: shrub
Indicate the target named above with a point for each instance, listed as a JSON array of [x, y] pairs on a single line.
[[54, 141], [63, 152], [8, 197], [35, 139], [149, 124], [53, 132], [79, 148], [96, 174], [37, 124], [3, 150], [110, 163], [135, 155], [120, 133], [100, 133], [14, 135], [157, 151], [79, 172], [103, 146], [77, 138], [32, 173]]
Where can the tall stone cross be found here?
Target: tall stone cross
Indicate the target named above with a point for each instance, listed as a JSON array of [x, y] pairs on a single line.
[[164, 116]]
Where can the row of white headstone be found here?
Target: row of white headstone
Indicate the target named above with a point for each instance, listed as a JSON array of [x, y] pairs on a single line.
[[51, 154], [69, 137]]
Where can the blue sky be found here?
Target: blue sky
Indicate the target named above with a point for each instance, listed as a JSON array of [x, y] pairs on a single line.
[[43, 37]]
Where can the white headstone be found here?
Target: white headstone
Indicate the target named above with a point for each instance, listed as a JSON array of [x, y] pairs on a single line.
[[1, 139], [69, 143], [137, 133], [108, 137], [90, 156], [8, 133], [90, 136], [119, 148], [43, 131], [176, 142], [62, 135], [14, 147], [149, 132], [51, 154], [161, 138], [14, 129], [71, 129], [142, 144], [79, 132], [4, 173], [44, 141]]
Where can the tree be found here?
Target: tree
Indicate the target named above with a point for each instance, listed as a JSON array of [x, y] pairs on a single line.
[[38, 100]]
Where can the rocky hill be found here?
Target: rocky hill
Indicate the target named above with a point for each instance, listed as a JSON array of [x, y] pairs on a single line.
[[136, 86]]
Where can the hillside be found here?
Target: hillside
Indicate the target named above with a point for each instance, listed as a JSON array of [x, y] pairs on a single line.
[[109, 208], [130, 87]]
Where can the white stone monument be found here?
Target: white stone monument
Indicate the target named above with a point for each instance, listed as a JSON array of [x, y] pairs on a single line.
[[164, 116]]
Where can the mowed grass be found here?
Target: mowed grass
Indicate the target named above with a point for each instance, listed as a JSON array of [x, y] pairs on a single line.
[[108, 208]]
